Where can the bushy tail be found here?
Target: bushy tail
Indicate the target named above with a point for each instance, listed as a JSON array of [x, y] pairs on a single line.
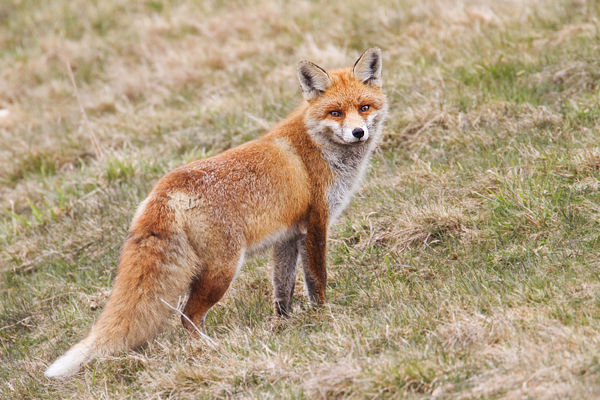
[[152, 269]]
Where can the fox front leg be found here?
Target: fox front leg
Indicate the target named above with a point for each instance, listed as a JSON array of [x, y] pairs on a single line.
[[314, 254], [284, 273]]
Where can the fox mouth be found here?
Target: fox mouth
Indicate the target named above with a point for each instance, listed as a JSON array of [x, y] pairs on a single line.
[[354, 143], [360, 140], [340, 140]]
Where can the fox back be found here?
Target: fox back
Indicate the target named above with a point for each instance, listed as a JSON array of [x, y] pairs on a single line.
[[283, 190]]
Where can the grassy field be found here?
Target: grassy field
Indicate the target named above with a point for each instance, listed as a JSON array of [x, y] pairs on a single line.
[[467, 267]]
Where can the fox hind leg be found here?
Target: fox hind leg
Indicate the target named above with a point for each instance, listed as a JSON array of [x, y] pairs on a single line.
[[284, 273], [207, 288]]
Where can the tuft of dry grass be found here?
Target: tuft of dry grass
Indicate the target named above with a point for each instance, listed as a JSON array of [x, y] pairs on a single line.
[[430, 223]]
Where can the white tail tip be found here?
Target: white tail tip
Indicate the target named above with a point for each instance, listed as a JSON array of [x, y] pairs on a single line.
[[71, 362]]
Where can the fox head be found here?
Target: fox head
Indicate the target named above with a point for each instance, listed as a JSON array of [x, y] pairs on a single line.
[[345, 106]]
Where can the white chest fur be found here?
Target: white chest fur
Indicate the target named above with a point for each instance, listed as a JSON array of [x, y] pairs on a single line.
[[348, 167]]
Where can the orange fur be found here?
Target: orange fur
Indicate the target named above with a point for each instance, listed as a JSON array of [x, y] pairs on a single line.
[[199, 221]]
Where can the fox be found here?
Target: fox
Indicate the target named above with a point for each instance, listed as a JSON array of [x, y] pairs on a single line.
[[200, 221]]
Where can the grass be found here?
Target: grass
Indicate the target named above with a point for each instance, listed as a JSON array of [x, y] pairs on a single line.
[[465, 268]]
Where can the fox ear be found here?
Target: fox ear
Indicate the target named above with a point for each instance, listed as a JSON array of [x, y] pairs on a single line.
[[314, 81], [367, 68]]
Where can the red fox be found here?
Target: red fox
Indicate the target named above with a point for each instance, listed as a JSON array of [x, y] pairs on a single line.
[[282, 190]]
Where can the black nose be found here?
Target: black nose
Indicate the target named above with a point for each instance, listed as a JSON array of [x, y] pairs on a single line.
[[358, 133]]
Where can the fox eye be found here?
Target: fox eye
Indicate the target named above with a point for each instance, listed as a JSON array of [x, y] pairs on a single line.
[[364, 108], [336, 114]]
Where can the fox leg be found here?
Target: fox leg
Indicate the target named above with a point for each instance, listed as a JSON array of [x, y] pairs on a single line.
[[284, 273], [206, 290], [314, 255]]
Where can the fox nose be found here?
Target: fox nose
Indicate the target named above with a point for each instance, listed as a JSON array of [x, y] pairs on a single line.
[[358, 133]]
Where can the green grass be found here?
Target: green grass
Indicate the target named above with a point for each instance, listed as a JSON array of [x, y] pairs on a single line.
[[466, 267]]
